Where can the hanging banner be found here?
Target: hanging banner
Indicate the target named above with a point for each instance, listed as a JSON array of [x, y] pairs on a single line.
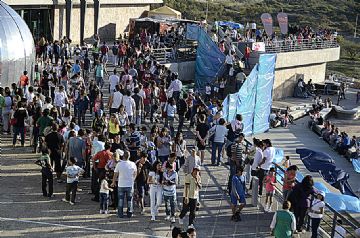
[[264, 87], [268, 23], [283, 22], [192, 31]]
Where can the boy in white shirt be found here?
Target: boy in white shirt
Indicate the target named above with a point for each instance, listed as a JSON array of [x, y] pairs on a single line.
[[72, 172]]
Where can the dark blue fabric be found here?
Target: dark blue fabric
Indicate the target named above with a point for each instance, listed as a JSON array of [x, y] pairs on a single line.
[[210, 61]]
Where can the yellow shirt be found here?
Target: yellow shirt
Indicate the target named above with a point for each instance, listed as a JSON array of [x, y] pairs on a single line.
[[113, 128], [193, 191]]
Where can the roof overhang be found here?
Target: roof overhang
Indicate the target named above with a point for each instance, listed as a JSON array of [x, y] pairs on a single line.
[[76, 2]]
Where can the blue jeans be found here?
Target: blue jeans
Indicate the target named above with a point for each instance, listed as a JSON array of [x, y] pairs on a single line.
[[104, 201], [128, 191], [216, 146], [99, 81], [170, 202], [17, 131]]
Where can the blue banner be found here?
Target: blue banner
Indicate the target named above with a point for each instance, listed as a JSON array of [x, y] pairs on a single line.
[[192, 31], [210, 61], [246, 101], [266, 76]]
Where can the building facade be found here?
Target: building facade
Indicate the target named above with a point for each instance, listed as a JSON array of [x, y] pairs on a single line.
[[80, 19]]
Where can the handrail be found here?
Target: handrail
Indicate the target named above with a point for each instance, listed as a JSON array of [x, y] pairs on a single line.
[[336, 216], [299, 45]]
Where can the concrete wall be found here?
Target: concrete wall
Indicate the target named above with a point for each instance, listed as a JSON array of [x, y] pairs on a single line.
[[113, 21], [186, 70]]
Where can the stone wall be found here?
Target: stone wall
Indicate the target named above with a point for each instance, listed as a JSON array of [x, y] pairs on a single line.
[[286, 78], [113, 21]]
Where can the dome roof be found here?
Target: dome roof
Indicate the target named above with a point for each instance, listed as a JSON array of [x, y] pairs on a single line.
[[17, 51]]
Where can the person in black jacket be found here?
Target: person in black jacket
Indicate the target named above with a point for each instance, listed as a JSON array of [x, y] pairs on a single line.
[[182, 108]]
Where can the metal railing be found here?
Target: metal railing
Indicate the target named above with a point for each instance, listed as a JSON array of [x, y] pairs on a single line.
[[167, 55], [331, 216], [299, 45]]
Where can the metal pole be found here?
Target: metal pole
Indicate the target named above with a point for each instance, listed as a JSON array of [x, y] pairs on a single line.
[[255, 191], [333, 225], [207, 10], [356, 22]]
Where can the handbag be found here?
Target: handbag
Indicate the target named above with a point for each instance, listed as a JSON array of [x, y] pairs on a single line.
[[212, 135], [13, 121]]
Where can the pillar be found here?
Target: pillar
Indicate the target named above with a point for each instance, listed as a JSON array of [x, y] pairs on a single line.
[[82, 20], [68, 7], [96, 15]]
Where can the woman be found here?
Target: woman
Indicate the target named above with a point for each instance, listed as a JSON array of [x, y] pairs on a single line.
[[300, 198], [283, 224], [289, 180], [6, 110], [113, 127], [202, 130], [19, 117], [257, 158], [316, 212], [163, 145], [218, 141], [36, 129], [110, 167], [123, 120], [179, 147], [155, 180], [66, 117], [170, 110]]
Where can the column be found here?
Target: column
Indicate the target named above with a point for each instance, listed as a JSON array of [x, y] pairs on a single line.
[[68, 7], [82, 19], [96, 15]]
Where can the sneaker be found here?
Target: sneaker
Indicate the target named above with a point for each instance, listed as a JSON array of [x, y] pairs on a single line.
[[167, 218], [64, 200], [142, 211], [181, 221], [173, 220], [153, 218], [106, 212], [101, 211], [191, 226], [71, 203], [266, 208]]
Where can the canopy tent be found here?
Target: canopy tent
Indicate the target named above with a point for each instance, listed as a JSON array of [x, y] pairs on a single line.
[[231, 24], [164, 12]]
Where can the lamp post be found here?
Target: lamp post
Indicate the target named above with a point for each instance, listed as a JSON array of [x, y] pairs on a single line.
[[207, 10]]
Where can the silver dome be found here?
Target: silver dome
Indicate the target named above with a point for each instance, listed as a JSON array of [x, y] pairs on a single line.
[[17, 51]]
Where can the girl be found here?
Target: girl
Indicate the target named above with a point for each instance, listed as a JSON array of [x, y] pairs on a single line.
[[113, 127], [316, 212], [287, 162], [104, 194], [123, 119], [270, 182], [180, 149], [155, 180]]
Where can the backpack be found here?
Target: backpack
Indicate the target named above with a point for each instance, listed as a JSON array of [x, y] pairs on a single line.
[[228, 150], [104, 49]]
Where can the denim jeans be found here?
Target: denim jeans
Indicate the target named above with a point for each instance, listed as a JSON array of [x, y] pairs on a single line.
[[17, 131], [170, 202], [128, 191], [216, 146], [169, 122], [100, 81], [104, 201], [155, 198], [315, 223]]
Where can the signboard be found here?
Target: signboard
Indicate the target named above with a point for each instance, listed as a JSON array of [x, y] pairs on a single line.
[[283, 22], [268, 23], [258, 46]]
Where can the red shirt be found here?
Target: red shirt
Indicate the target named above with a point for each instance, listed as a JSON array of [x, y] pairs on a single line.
[[102, 157], [24, 80]]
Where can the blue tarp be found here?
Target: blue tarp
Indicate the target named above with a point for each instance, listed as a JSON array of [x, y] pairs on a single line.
[[321, 162], [230, 24], [279, 156], [192, 31], [341, 202], [356, 165], [210, 61], [266, 76]]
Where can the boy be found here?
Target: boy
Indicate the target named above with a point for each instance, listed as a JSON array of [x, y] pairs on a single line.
[[46, 172], [170, 179], [237, 195], [72, 172]]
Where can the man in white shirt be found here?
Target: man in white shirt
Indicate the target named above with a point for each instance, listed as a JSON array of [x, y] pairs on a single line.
[[60, 100], [176, 87], [265, 164], [113, 80], [126, 172], [115, 100], [129, 104]]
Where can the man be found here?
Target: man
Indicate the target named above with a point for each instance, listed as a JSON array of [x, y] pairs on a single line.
[[237, 194], [182, 108], [238, 154], [113, 80], [24, 81], [125, 172], [61, 100], [139, 106], [99, 162], [247, 56], [143, 168], [129, 105], [265, 164], [191, 194], [86, 68], [99, 74], [175, 86], [191, 232], [115, 51], [55, 142], [44, 121], [75, 69], [115, 100], [77, 148], [133, 142]]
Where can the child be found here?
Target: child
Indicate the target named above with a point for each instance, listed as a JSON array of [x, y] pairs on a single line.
[[269, 181], [237, 195], [46, 172], [104, 194], [287, 162], [170, 179], [72, 172]]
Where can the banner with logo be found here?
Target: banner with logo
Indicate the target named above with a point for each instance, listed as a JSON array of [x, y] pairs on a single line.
[[283, 22], [268, 23], [258, 46]]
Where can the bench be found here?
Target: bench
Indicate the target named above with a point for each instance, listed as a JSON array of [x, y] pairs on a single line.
[[344, 114]]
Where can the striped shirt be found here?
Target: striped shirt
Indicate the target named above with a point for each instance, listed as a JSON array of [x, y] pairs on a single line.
[[170, 180], [237, 151]]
